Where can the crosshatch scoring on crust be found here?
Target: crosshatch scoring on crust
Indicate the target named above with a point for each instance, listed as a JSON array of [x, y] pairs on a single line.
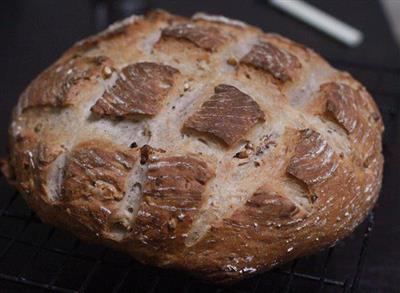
[[166, 176]]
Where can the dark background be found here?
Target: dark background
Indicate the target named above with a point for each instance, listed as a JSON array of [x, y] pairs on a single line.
[[33, 33]]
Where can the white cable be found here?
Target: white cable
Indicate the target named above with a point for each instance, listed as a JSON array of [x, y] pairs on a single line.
[[320, 20]]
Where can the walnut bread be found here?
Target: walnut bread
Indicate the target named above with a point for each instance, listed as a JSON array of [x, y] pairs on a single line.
[[201, 144]]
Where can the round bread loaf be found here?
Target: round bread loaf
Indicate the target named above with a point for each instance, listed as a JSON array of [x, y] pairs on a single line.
[[200, 144]]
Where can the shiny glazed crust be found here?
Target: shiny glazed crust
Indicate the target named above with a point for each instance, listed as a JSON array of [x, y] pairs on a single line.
[[201, 144]]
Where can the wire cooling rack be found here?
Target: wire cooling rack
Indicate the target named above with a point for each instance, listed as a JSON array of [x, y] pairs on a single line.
[[37, 257]]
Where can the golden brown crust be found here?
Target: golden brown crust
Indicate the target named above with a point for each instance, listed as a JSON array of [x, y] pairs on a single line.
[[299, 167], [31, 160]]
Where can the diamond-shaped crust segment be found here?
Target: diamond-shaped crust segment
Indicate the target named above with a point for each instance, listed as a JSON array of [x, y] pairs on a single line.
[[97, 169], [183, 175], [276, 61], [172, 193], [228, 115], [341, 103], [139, 90], [94, 184], [314, 161], [264, 207], [207, 38], [58, 85], [34, 158], [345, 105]]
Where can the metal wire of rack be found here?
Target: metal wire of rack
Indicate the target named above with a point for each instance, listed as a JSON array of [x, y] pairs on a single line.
[[35, 255]]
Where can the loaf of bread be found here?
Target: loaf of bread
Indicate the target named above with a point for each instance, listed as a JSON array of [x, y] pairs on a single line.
[[202, 144]]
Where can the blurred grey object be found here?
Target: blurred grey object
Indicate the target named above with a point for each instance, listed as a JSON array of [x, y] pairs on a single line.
[[392, 10], [321, 21]]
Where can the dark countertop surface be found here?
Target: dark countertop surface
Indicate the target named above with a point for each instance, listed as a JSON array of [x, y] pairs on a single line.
[[34, 33]]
